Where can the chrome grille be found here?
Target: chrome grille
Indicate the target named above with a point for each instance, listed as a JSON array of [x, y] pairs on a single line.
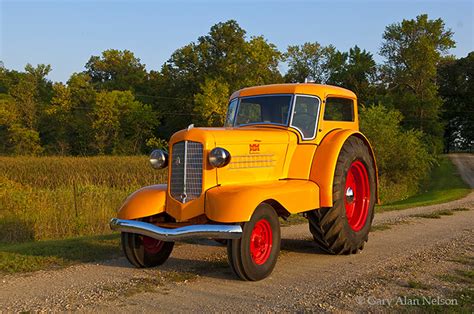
[[186, 171]]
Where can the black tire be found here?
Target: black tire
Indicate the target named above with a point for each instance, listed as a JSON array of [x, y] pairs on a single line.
[[330, 227], [141, 254], [257, 265]]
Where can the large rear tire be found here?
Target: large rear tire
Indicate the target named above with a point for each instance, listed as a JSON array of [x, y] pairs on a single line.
[[143, 252], [254, 255], [344, 227]]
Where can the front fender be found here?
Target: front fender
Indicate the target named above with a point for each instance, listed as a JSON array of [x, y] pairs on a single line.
[[147, 201], [236, 203]]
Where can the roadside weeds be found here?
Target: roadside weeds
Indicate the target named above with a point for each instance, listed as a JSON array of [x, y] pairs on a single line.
[[409, 219]]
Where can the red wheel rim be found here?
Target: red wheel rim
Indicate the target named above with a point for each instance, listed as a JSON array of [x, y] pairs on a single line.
[[261, 242], [357, 195], [152, 246]]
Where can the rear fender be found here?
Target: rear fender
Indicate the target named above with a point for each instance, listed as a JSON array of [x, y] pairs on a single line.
[[236, 203], [147, 201], [325, 159]]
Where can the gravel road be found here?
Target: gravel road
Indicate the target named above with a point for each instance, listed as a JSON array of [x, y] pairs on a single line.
[[197, 278], [465, 164]]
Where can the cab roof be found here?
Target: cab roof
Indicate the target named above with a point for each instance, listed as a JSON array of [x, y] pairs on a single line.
[[296, 88]]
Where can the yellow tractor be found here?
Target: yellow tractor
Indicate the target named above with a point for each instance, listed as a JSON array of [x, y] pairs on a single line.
[[284, 149]]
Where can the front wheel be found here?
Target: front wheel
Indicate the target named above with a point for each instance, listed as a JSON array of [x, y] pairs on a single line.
[[254, 255], [142, 251]]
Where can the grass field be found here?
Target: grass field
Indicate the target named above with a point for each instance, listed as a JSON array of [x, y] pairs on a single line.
[[32, 256], [61, 197], [444, 185]]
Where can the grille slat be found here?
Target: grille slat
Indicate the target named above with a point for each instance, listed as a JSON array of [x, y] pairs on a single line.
[[186, 171]]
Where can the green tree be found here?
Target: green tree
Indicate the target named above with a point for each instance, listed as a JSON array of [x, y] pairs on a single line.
[[309, 61], [116, 70], [106, 123], [137, 124], [25, 95], [28, 92], [211, 102], [83, 97], [456, 87], [261, 64], [8, 116], [223, 54], [399, 177], [122, 125], [412, 49], [14, 137], [8, 78], [68, 117], [44, 86], [355, 70], [24, 141], [59, 118]]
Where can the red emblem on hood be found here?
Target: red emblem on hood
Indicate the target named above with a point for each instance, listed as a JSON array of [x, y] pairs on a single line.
[[253, 148]]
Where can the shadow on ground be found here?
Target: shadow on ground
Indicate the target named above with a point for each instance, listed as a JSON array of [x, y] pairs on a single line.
[[105, 250], [217, 267]]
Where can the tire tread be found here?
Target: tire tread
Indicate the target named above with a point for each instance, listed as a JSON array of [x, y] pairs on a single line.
[[327, 224]]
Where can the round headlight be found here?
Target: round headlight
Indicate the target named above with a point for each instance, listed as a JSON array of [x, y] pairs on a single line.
[[159, 159], [219, 157]]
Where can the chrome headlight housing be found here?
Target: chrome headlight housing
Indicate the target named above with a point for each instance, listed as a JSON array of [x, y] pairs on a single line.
[[159, 159], [219, 157]]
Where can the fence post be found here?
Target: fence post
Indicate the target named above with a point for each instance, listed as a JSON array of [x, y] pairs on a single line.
[[75, 196]]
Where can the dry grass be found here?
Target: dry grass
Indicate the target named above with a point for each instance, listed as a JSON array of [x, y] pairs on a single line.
[[59, 197]]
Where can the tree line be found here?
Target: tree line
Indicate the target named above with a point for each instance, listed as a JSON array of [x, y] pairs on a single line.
[[419, 98]]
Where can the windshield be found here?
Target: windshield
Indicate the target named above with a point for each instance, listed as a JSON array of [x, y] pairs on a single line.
[[273, 109]]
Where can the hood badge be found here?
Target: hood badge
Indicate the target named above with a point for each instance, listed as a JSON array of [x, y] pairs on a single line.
[[254, 148]]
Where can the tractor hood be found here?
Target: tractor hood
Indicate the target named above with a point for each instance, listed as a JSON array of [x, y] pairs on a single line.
[[249, 135], [220, 136], [214, 137], [257, 152]]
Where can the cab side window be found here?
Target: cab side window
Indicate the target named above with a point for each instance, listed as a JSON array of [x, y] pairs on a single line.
[[305, 115], [339, 109], [229, 121]]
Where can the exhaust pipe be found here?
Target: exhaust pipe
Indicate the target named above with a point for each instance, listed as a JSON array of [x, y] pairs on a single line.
[[171, 235]]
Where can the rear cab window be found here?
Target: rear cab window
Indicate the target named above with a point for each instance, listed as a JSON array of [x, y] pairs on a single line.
[[339, 109]]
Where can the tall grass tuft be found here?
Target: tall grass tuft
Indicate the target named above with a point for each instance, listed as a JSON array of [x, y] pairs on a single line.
[[59, 197]]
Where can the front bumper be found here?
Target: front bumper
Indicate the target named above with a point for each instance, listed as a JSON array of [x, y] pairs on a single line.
[[181, 233]]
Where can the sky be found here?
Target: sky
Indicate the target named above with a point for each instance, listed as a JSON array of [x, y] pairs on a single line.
[[65, 34]]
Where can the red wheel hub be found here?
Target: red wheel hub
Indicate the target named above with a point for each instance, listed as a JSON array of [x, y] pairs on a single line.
[[261, 242], [357, 195], [152, 246]]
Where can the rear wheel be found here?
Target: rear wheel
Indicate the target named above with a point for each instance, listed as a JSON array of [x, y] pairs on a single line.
[[254, 255], [344, 228], [142, 251]]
